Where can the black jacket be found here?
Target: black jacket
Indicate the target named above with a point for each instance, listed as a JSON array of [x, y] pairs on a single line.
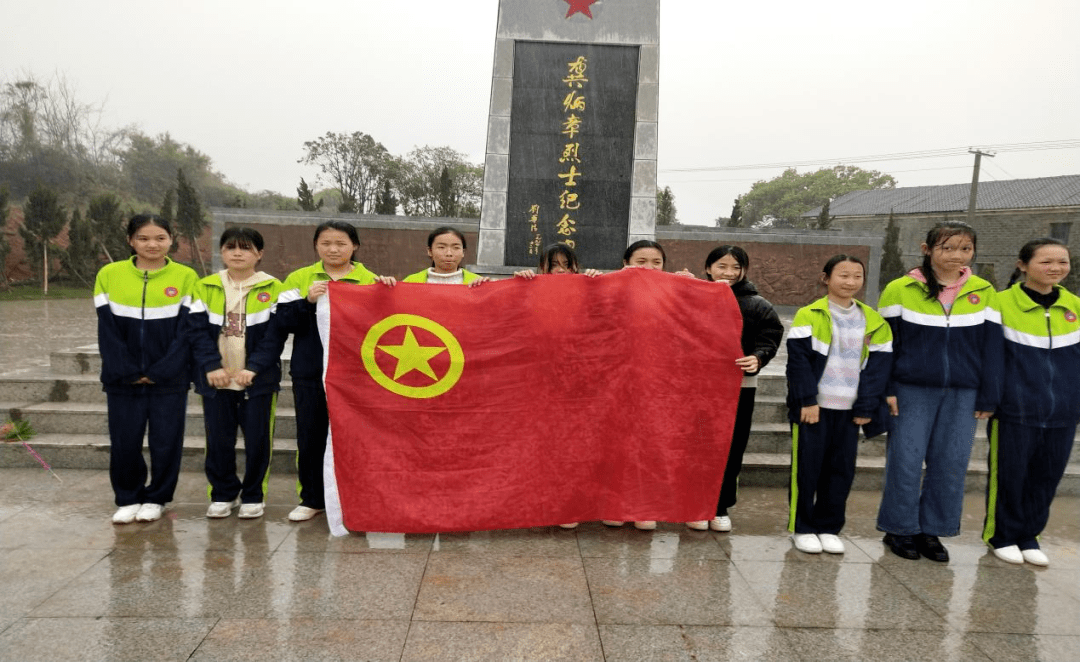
[[762, 329]]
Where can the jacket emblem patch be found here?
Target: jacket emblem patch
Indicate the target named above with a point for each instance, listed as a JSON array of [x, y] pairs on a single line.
[[1070, 316], [263, 297], [973, 299], [171, 292]]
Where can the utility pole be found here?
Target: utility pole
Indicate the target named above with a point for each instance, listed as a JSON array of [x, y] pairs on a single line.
[[975, 183]]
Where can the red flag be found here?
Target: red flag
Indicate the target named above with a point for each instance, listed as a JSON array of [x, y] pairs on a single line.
[[527, 403]]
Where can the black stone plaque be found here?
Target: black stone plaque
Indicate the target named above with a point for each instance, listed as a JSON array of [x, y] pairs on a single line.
[[571, 151]]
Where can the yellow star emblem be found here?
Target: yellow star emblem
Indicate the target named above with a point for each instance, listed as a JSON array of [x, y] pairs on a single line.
[[411, 355]]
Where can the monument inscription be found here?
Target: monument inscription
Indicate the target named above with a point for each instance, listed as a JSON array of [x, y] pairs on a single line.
[[571, 150]]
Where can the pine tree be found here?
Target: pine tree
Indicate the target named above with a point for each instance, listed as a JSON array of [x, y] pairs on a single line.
[[82, 257], [386, 203], [5, 245], [823, 219], [736, 214], [106, 220], [306, 197], [892, 262], [666, 213], [43, 219], [190, 219], [447, 199]]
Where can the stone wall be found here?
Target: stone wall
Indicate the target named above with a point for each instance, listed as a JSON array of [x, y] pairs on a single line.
[[784, 264], [1001, 233]]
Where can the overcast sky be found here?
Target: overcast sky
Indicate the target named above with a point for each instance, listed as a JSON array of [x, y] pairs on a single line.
[[741, 83]]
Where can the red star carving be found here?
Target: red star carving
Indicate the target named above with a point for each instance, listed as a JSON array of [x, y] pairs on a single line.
[[579, 6]]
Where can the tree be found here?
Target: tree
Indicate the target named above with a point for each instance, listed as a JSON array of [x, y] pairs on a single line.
[[784, 199], [353, 162], [82, 257], [190, 220], [736, 214], [665, 207], [168, 206], [1070, 282], [43, 219], [892, 262], [386, 203], [446, 197], [422, 190], [306, 197], [5, 245], [106, 220], [823, 219]]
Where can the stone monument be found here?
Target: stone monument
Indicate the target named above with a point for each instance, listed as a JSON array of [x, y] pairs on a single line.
[[572, 129]]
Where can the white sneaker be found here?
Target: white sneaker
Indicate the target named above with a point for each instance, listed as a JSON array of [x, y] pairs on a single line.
[[303, 513], [126, 514], [1036, 557], [251, 510], [699, 525], [150, 512], [569, 525], [219, 509], [721, 523], [1009, 554], [806, 542], [831, 543], [647, 525], [611, 522]]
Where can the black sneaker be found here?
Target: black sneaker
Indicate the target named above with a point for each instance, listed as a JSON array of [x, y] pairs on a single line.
[[930, 547], [902, 546]]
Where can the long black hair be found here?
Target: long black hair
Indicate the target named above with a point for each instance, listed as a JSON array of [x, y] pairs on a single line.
[[736, 252], [340, 226], [936, 236], [1027, 251], [547, 258], [643, 243]]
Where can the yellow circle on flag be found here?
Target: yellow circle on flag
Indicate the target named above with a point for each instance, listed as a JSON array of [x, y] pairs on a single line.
[[412, 356]]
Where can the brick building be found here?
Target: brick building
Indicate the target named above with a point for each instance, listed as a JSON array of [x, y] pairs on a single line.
[[1008, 214]]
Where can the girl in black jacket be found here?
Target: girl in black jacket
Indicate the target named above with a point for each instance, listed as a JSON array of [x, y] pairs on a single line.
[[761, 334]]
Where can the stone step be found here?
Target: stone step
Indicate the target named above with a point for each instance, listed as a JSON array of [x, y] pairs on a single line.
[[92, 418], [39, 385], [75, 417], [91, 451]]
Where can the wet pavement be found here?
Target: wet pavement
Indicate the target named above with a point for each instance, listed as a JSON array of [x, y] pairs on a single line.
[[30, 330], [73, 586]]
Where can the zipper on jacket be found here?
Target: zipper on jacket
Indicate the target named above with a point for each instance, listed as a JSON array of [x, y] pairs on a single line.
[[142, 323], [948, 329], [1050, 362]]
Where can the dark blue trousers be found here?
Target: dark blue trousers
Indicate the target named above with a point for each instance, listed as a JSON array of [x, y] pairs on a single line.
[[254, 415], [1026, 464], [312, 426], [159, 416], [822, 471], [740, 436]]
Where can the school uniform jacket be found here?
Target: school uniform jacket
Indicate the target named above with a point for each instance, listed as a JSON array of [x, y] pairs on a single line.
[[1042, 360], [422, 277], [296, 315], [141, 316], [959, 349], [204, 326], [808, 351]]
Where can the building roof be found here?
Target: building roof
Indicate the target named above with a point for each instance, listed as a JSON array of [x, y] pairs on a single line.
[[1061, 191]]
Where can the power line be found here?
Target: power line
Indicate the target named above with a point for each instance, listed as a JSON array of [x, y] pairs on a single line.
[[894, 156]]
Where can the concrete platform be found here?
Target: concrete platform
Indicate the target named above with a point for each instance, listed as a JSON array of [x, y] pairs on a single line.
[[73, 586]]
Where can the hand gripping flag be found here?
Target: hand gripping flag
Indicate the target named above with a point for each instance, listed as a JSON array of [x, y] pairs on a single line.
[[525, 403]]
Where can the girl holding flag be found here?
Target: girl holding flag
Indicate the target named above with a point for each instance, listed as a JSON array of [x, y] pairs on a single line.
[[1033, 429], [761, 335], [446, 248], [335, 243]]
